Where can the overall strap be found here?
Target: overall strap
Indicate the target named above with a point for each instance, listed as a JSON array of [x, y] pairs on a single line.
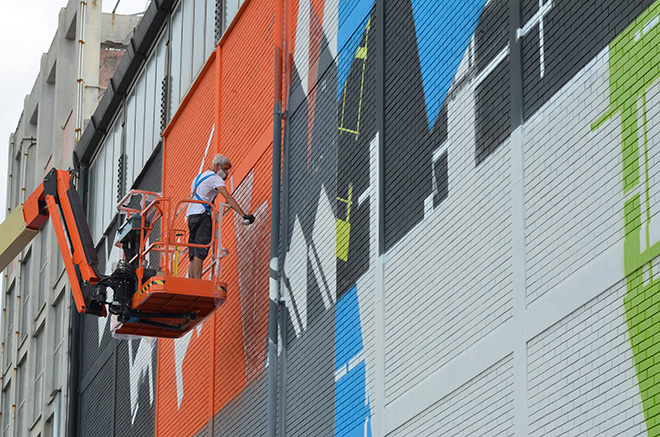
[[197, 183]]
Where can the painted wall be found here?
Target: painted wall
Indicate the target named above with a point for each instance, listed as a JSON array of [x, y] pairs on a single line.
[[514, 290]]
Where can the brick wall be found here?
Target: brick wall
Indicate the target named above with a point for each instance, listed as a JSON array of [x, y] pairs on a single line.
[[514, 291]]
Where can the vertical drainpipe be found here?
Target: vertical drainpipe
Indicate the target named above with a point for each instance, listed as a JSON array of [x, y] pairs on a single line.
[[283, 315], [274, 284]]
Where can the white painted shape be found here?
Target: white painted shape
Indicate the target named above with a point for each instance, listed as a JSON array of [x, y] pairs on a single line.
[[208, 145], [653, 153], [301, 55], [295, 269], [357, 359], [325, 267], [581, 369], [449, 378], [501, 56], [536, 18], [519, 267], [541, 43], [139, 367], [648, 26], [570, 218], [340, 373], [331, 25], [180, 349], [364, 196], [428, 206], [378, 365], [643, 175], [600, 274]]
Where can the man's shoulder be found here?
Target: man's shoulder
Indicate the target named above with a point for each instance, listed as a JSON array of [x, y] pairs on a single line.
[[215, 180]]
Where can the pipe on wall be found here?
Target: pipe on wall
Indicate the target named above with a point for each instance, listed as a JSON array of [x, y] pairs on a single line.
[[274, 284]]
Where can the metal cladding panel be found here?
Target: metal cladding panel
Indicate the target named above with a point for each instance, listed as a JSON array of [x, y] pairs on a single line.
[[97, 403]]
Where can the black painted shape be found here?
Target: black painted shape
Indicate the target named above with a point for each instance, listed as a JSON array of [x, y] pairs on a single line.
[[529, 8], [96, 403], [492, 96], [492, 33], [409, 145], [575, 31], [493, 111], [357, 104], [145, 419], [313, 166]]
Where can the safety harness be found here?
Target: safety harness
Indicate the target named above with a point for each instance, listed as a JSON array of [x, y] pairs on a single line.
[[197, 183]]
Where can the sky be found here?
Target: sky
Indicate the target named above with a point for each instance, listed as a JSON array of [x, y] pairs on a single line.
[[27, 28]]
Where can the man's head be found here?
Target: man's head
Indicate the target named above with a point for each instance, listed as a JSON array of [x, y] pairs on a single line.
[[221, 165]]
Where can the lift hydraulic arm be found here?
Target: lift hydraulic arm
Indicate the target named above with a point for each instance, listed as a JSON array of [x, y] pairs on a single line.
[[57, 198]]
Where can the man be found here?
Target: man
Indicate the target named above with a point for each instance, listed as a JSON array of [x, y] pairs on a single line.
[[206, 186]]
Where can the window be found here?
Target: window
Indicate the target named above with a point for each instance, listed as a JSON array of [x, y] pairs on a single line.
[[198, 36], [16, 179], [209, 45], [21, 398], [44, 277], [38, 352], [58, 329], [175, 73], [231, 8], [25, 296], [59, 262], [193, 40], [130, 139], [6, 409], [187, 46], [103, 179], [50, 427], [9, 330]]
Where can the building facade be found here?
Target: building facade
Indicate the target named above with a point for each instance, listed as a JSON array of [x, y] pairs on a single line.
[[468, 210], [37, 300]]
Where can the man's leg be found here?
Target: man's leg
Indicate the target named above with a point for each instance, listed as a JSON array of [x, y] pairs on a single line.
[[195, 268]]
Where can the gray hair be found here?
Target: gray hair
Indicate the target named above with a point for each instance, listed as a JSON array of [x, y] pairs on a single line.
[[221, 159]]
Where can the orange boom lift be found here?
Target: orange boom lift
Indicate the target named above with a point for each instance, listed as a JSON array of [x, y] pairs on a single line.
[[149, 297]]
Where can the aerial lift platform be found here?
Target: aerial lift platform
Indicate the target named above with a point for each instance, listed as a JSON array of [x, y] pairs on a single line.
[[149, 297]]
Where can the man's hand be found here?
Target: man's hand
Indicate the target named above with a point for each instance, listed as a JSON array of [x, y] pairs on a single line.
[[248, 219]]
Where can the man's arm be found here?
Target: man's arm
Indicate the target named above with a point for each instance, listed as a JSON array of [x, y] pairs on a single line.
[[230, 200]]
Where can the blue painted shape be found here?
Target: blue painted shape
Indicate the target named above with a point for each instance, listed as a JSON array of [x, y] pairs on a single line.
[[351, 406], [348, 341], [352, 409], [444, 29], [353, 17]]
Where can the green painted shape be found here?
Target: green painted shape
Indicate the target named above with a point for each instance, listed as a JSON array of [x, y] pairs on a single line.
[[634, 66], [344, 228], [343, 239]]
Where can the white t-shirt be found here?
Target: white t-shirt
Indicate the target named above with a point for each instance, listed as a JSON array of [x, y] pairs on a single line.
[[206, 190]]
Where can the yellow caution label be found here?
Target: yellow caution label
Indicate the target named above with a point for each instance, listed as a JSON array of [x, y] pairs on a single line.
[[145, 288]]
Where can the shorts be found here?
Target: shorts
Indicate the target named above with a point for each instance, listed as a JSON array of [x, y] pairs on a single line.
[[200, 227]]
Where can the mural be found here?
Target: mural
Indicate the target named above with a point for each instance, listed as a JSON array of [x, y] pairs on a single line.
[[634, 74], [444, 61]]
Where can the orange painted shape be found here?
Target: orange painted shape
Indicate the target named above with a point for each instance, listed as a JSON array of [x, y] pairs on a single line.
[[233, 96]]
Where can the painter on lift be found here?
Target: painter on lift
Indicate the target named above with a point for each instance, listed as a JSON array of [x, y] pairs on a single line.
[[206, 186]]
